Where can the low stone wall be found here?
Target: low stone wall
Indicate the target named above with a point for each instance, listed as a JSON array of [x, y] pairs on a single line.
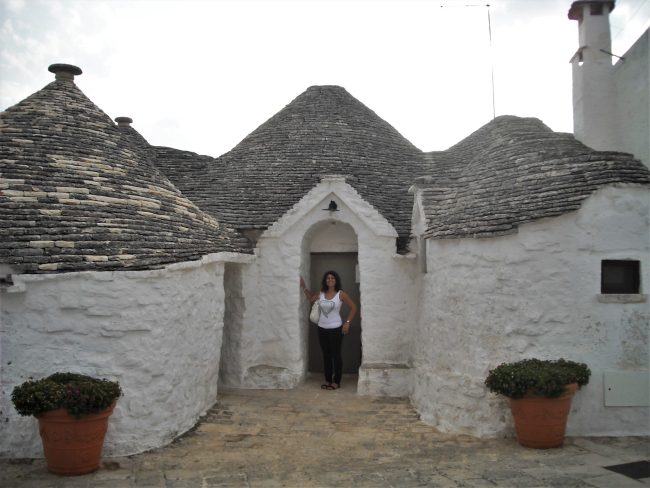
[[391, 380], [156, 332], [534, 294]]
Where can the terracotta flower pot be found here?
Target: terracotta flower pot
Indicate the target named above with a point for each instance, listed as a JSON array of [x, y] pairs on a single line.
[[541, 422], [72, 445]]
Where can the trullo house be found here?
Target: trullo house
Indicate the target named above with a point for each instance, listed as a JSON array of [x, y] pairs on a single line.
[[176, 273]]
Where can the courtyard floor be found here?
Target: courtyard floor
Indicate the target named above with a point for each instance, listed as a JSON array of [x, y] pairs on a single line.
[[308, 437]]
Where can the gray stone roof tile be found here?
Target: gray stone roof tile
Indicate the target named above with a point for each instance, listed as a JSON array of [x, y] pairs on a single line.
[[76, 193], [512, 171], [325, 130]]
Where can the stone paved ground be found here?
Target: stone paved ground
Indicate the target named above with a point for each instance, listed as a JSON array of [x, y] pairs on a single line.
[[309, 437]]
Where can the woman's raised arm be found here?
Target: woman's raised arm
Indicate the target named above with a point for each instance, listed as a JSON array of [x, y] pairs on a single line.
[[311, 296]]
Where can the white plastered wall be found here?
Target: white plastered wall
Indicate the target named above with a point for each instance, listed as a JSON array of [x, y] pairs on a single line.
[[156, 332], [632, 79], [273, 341], [534, 294]]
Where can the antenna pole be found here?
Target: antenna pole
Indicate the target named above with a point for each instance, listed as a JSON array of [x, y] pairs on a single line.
[[494, 111], [491, 60]]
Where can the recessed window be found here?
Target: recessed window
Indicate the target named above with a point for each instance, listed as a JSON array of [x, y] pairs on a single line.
[[620, 276]]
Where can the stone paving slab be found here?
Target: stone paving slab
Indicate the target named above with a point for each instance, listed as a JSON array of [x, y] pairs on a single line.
[[308, 437]]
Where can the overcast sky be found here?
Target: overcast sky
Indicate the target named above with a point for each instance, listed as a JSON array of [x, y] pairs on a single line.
[[201, 75]]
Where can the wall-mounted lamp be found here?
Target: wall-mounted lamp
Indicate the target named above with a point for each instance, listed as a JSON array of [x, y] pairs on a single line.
[[332, 207]]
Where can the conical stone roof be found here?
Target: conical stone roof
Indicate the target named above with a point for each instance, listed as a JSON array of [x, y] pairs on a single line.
[[516, 170], [325, 130], [77, 194]]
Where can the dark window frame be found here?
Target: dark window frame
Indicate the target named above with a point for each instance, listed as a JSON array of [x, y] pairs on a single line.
[[620, 276]]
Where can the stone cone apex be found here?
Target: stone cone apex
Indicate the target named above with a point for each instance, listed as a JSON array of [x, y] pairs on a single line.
[[323, 131], [124, 121], [64, 71], [127, 215]]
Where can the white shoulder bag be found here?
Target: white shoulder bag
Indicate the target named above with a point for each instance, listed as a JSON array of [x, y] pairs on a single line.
[[314, 315]]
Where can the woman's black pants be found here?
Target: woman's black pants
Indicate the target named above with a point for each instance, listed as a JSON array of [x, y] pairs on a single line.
[[330, 343]]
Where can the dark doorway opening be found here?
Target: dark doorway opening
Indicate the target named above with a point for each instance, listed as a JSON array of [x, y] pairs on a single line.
[[345, 264]]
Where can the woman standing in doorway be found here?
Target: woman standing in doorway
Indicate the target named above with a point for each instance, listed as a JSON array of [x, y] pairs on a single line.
[[331, 327]]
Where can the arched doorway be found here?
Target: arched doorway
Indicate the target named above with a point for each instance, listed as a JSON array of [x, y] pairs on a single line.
[[333, 246]]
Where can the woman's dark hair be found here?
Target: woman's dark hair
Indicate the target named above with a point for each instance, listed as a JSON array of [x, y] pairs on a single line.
[[336, 276]]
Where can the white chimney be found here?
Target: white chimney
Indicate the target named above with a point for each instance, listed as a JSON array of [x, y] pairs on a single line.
[[594, 98]]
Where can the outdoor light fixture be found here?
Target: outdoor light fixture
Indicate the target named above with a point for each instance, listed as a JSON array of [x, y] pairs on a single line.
[[332, 207]]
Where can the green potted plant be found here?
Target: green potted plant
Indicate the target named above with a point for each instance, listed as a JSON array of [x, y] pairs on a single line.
[[540, 393], [72, 411]]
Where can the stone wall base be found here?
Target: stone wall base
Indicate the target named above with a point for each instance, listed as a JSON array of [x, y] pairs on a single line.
[[266, 377], [382, 379]]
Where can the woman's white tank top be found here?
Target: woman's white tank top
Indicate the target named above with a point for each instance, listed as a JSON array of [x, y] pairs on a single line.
[[330, 311]]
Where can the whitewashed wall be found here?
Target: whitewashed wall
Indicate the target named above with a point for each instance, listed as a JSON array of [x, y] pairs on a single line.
[[632, 79], [273, 343], [156, 332], [533, 294]]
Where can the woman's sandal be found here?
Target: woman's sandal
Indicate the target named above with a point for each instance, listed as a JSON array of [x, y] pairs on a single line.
[[330, 386]]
